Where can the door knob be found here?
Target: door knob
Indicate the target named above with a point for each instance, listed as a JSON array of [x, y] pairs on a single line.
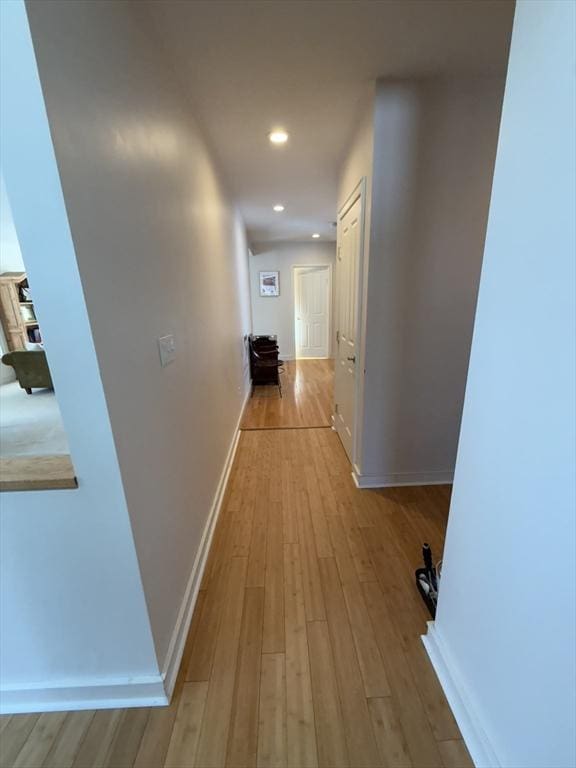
[[352, 359]]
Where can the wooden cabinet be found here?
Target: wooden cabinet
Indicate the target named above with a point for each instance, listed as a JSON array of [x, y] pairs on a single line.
[[17, 311]]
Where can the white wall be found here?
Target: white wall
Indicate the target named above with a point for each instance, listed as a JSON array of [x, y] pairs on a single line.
[[275, 315], [10, 254], [10, 261], [359, 158], [159, 250], [357, 166], [433, 155], [506, 617], [72, 611]]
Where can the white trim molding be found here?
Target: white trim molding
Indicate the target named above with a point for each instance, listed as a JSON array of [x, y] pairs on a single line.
[[479, 745], [330, 329], [401, 478], [99, 693], [122, 692], [182, 626]]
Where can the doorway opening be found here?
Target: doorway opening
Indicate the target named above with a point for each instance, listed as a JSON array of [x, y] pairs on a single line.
[[313, 311], [304, 272], [34, 452]]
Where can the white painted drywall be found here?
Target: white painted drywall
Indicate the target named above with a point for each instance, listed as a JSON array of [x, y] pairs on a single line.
[[160, 251], [72, 608], [508, 598], [10, 261], [358, 165], [275, 315], [10, 254], [433, 155]]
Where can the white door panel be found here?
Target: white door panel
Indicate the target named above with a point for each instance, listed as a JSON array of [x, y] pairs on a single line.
[[312, 311], [347, 267]]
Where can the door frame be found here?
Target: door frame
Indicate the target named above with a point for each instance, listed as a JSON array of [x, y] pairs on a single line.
[[358, 193], [295, 268]]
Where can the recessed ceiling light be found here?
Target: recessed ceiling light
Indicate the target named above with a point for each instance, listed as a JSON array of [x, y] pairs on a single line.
[[278, 208], [315, 235], [278, 137]]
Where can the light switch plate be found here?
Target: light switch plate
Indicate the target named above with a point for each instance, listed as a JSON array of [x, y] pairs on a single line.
[[167, 348]]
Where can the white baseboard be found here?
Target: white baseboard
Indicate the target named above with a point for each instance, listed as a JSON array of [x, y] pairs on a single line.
[[481, 750], [100, 693], [149, 691], [401, 478], [180, 632]]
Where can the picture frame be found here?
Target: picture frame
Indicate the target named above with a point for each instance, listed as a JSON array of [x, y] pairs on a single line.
[[269, 283]]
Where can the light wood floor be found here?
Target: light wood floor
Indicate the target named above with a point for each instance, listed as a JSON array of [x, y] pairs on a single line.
[[304, 648], [307, 397]]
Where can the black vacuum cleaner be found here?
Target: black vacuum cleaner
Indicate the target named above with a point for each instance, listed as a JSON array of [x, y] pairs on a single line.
[[427, 581]]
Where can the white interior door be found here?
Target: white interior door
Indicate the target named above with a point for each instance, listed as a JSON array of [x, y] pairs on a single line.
[[347, 265], [312, 311]]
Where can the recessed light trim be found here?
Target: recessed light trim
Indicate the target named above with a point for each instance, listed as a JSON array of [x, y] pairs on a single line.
[[315, 235], [278, 208], [278, 136]]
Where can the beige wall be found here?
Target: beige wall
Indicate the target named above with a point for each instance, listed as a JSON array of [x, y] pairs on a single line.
[[160, 250]]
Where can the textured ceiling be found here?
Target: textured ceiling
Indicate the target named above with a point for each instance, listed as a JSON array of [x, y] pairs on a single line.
[[309, 66]]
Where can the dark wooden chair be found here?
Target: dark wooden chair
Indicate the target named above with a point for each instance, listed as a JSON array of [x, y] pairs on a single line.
[[265, 365]]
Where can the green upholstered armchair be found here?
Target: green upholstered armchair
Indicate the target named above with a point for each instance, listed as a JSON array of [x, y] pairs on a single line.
[[31, 369]]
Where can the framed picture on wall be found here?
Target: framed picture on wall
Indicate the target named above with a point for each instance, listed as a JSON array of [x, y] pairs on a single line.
[[269, 283]]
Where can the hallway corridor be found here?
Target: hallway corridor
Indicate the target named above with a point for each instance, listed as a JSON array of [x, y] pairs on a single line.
[[304, 648], [367, 208], [307, 397]]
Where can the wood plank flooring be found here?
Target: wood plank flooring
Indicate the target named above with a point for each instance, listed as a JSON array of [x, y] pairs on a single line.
[[307, 387], [304, 648]]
